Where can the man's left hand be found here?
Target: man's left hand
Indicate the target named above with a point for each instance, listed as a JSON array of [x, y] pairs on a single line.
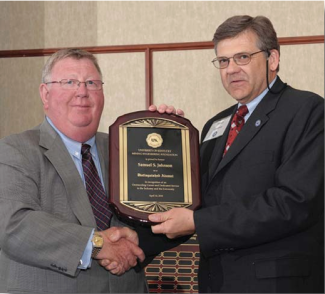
[[163, 108], [173, 223]]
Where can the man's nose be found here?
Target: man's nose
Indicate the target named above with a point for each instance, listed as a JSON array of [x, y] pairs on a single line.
[[232, 66], [82, 89]]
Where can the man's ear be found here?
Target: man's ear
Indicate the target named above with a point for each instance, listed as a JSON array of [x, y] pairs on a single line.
[[273, 59], [44, 93]]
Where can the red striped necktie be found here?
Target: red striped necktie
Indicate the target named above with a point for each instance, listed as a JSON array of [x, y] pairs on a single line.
[[237, 123]]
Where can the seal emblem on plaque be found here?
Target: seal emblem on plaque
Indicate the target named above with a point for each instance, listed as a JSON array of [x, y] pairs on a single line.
[[154, 140]]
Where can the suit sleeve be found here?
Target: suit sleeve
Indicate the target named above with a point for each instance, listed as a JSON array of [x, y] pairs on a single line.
[[153, 244], [293, 204]]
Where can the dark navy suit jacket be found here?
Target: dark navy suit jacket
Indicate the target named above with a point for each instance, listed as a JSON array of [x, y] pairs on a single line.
[[260, 227]]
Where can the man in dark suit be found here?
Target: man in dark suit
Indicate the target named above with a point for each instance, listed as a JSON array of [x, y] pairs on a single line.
[[260, 227]]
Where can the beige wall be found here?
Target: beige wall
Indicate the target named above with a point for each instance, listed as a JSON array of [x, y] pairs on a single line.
[[185, 79]]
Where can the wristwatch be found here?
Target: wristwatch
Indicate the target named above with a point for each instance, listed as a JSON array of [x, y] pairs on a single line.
[[98, 242]]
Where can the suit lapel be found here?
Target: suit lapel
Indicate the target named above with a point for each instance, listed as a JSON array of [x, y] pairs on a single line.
[[254, 124], [61, 160], [250, 129]]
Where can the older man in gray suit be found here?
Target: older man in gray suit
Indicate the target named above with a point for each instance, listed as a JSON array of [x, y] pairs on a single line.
[[48, 231]]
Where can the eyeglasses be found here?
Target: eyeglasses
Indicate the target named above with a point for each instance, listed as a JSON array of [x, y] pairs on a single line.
[[71, 84], [242, 58]]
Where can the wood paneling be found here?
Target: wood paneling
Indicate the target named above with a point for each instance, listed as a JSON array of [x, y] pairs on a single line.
[[148, 50]]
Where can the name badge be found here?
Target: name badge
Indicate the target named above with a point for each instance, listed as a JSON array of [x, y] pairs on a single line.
[[217, 128]]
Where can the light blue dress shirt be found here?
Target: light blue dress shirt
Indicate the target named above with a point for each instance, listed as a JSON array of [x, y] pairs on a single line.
[[74, 148]]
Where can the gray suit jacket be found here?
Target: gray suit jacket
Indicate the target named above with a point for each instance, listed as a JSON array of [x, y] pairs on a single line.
[[46, 219]]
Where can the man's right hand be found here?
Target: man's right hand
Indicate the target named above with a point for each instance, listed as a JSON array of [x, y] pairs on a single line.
[[120, 250]]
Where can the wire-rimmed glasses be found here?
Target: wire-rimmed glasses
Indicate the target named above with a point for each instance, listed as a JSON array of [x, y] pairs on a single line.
[[241, 58], [71, 84]]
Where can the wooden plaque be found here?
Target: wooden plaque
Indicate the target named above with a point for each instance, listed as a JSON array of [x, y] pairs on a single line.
[[153, 165]]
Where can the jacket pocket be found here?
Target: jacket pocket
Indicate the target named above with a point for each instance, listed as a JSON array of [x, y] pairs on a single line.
[[298, 266]]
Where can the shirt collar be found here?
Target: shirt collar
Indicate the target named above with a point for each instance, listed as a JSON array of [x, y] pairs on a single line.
[[253, 104], [74, 147]]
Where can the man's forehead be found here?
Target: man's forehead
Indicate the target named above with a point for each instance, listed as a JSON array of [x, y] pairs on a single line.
[[73, 64], [243, 42]]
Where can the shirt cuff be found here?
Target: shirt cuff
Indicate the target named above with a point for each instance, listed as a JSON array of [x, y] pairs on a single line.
[[85, 261]]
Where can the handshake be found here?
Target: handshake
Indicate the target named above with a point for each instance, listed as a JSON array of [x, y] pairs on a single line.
[[120, 250]]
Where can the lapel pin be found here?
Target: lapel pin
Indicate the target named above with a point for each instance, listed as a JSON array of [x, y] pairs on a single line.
[[257, 123]]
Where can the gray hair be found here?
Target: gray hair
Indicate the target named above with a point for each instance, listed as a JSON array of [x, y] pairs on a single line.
[[67, 53]]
